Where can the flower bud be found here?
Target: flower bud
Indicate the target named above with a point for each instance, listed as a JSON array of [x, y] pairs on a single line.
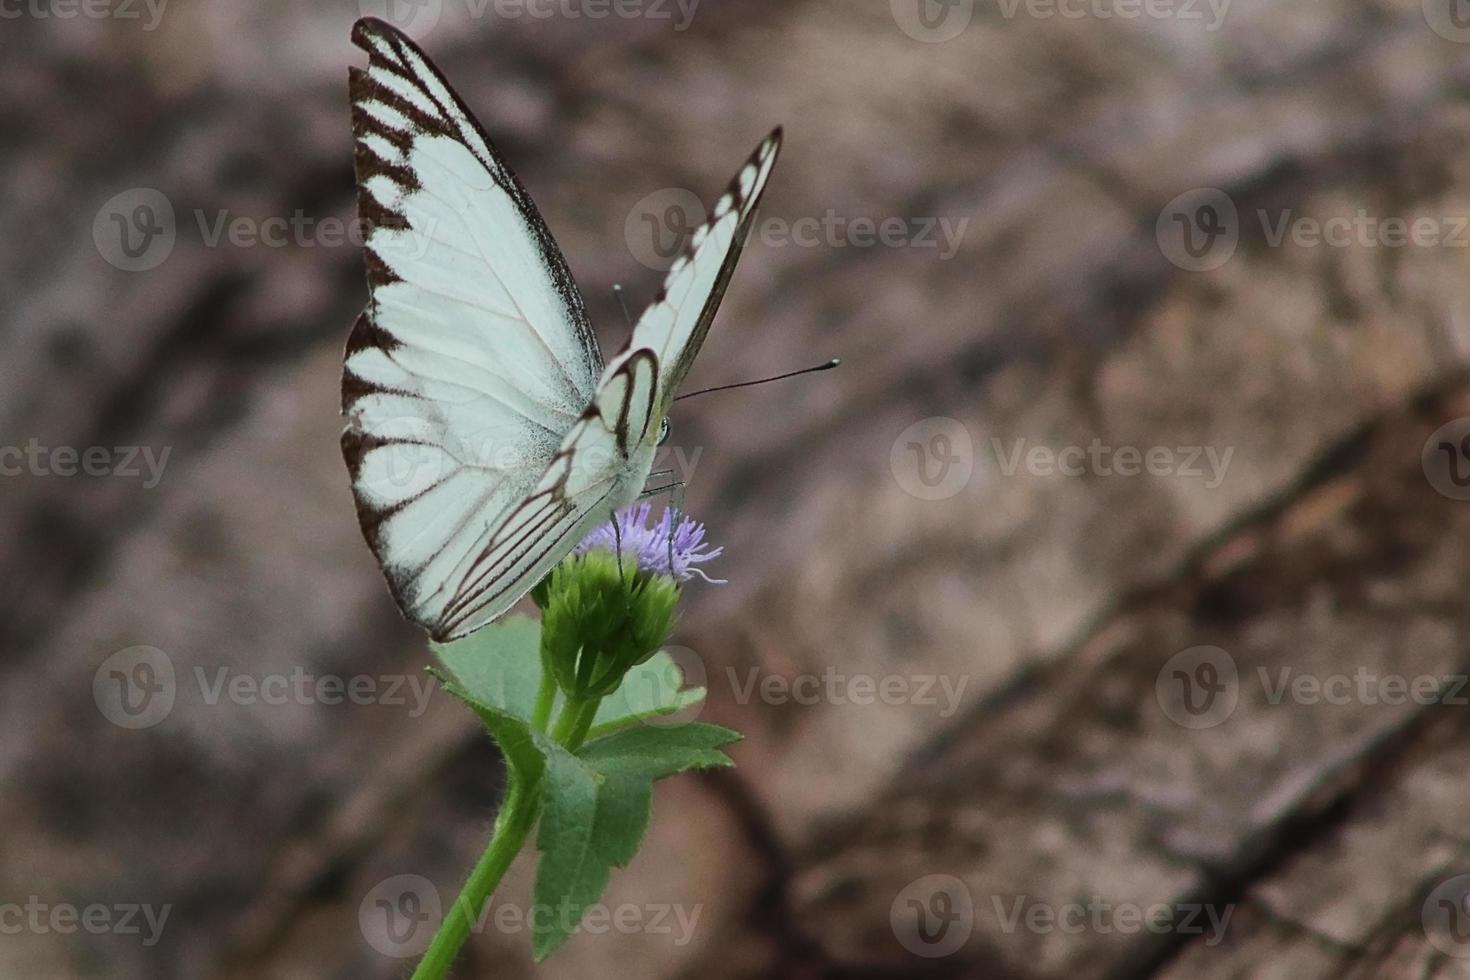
[[600, 620]]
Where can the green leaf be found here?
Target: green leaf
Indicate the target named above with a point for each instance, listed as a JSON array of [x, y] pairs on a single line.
[[514, 735], [653, 753], [499, 666], [497, 672], [650, 690], [595, 804], [596, 809]]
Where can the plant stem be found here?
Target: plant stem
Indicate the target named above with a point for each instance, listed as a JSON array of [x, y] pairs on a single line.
[[582, 725], [545, 699], [512, 824], [567, 722]]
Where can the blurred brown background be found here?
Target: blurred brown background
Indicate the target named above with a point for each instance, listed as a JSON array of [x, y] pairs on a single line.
[[1102, 617]]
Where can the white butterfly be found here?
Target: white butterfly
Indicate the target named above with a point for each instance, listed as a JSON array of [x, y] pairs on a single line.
[[485, 436]]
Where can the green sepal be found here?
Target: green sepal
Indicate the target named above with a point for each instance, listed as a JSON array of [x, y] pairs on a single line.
[[600, 620]]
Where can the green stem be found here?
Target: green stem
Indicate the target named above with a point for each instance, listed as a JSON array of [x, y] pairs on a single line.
[[567, 721], [574, 722], [583, 725], [513, 823], [545, 699]]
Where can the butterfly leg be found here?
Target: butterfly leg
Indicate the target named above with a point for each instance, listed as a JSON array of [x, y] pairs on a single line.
[[668, 488], [675, 509], [676, 502], [617, 544]]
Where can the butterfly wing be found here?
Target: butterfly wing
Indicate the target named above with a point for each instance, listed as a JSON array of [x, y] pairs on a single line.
[[474, 359], [675, 324], [604, 461], [599, 468]]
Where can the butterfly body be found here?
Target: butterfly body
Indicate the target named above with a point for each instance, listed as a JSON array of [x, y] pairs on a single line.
[[485, 435]]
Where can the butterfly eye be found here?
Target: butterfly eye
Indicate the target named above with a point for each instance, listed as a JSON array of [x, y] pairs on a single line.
[[663, 431]]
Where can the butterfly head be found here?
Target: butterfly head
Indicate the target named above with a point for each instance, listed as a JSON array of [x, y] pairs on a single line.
[[663, 431]]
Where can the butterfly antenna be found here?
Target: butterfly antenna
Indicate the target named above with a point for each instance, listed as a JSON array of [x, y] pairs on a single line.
[[623, 302], [760, 381]]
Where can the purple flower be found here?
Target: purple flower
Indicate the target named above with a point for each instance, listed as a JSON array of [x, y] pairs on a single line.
[[652, 546]]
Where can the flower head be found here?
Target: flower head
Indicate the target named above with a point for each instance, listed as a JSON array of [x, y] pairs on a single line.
[[598, 622], [657, 549]]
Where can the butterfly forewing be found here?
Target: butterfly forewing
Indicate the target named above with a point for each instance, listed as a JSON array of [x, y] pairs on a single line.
[[474, 357], [676, 322]]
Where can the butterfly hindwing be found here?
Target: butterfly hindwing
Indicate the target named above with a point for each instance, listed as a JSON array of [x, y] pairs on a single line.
[[600, 467]]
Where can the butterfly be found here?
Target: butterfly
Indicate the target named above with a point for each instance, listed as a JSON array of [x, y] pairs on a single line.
[[485, 435]]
